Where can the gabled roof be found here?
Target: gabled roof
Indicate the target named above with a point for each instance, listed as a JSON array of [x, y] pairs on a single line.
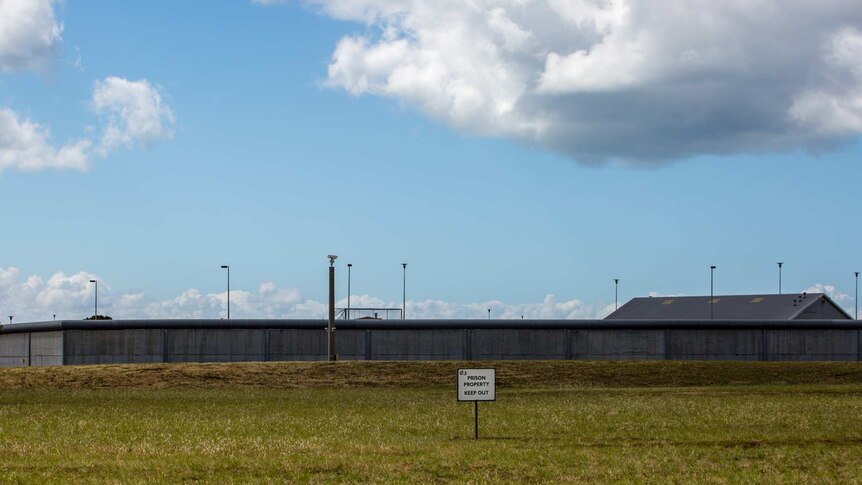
[[792, 306]]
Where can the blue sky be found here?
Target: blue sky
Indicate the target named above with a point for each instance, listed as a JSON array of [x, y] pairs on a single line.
[[273, 148]]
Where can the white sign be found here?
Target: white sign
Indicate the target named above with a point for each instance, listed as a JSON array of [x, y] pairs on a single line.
[[477, 385]]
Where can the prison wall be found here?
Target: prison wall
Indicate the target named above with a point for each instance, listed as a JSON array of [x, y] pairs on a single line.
[[77, 343]]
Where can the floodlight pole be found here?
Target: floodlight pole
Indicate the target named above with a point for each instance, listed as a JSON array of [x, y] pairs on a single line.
[[330, 340], [489, 314], [96, 300], [404, 291], [349, 265], [711, 302], [616, 293], [856, 298], [780, 264], [227, 267]]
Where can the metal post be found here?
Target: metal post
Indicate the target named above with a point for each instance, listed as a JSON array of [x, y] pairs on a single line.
[[856, 298], [349, 265], [404, 292], [227, 267], [711, 303], [476, 420], [616, 293], [489, 314], [96, 303], [780, 264], [330, 340]]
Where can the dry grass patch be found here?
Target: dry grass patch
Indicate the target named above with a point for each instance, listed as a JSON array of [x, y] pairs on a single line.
[[514, 374]]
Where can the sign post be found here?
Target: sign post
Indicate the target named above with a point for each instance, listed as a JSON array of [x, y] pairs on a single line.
[[477, 385]]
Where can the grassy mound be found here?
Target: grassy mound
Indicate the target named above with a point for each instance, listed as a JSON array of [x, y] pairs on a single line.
[[425, 374]]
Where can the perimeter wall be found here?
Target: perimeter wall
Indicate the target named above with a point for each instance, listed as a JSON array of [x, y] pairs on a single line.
[[120, 342]]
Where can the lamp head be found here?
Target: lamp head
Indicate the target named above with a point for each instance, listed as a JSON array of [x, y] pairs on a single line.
[[92, 281], [332, 259], [224, 266]]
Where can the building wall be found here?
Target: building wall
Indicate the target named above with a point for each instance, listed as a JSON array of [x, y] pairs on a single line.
[[432, 344], [812, 345], [260, 344], [46, 348], [113, 346], [13, 350], [216, 345], [618, 344], [821, 310], [714, 345]]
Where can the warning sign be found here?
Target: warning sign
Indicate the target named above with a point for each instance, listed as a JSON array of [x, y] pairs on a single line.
[[477, 385]]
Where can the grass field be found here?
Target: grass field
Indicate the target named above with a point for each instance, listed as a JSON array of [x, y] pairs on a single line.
[[367, 421]]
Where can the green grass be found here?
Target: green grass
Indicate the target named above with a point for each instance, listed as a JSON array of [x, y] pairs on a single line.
[[328, 423]]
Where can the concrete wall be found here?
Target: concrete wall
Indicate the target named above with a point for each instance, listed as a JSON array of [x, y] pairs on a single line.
[[46, 348], [262, 344], [812, 345], [216, 345], [295, 344], [714, 344], [432, 344], [13, 349], [519, 344], [113, 346], [618, 344]]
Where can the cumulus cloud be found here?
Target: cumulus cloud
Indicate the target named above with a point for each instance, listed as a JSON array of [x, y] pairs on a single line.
[[71, 297], [29, 33], [604, 80], [25, 145], [134, 113]]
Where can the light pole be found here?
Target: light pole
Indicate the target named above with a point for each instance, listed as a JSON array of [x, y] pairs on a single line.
[[856, 298], [96, 300], [330, 340], [349, 265], [10, 319], [780, 264], [489, 314], [227, 267], [404, 291], [711, 303], [616, 293]]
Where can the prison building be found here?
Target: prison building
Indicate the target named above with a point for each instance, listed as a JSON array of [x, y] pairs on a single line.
[[799, 306]]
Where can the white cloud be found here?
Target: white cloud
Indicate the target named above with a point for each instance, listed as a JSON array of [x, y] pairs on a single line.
[[25, 145], [29, 33], [600, 80], [134, 113], [72, 297]]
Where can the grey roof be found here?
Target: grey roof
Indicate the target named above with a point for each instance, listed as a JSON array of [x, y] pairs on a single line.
[[793, 306]]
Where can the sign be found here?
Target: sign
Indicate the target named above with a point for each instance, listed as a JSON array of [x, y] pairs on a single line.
[[477, 385]]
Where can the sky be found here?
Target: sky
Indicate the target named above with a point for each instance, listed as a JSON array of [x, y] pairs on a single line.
[[518, 155]]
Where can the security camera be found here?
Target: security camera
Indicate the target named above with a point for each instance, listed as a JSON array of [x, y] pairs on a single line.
[[332, 257]]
